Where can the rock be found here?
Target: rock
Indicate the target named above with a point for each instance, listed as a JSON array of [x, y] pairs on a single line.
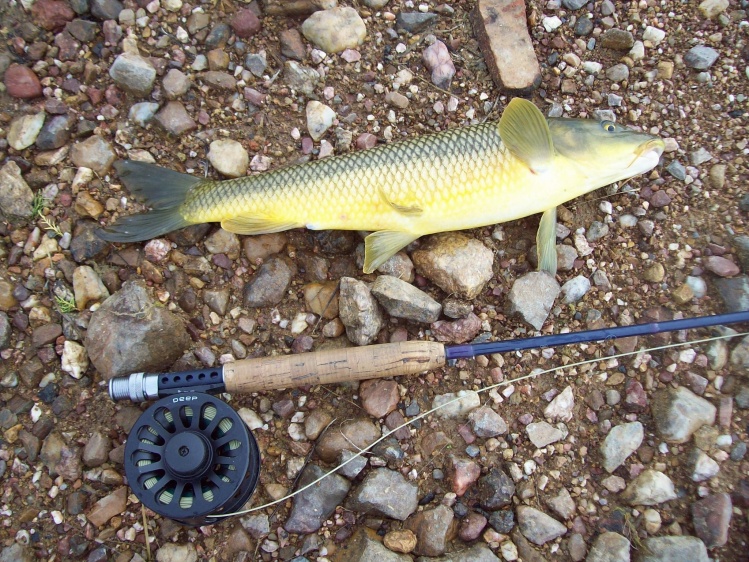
[[653, 35], [5, 333], [495, 490], [456, 405], [365, 546], [415, 22], [259, 248], [400, 541], [83, 30], [532, 297], [21, 82], [17, 553], [351, 436], [701, 57], [471, 526], [322, 299], [379, 397], [538, 527], [542, 434], [55, 133], [313, 506], [16, 197], [106, 9], [96, 451], [142, 113], [223, 242], [502, 32], [678, 413], [562, 504], [712, 519], [455, 263], [617, 39], [439, 62], [403, 300], [51, 15], [459, 331], [319, 119], [577, 548], [301, 78], [108, 507], [486, 423], [651, 487], [257, 525], [133, 74], [88, 287], [620, 443], [174, 119], [130, 333], [335, 30], [386, 493], [433, 528], [176, 84], [74, 359], [359, 311], [668, 549], [560, 408], [173, 552], [720, 266], [219, 80], [25, 129], [703, 467], [245, 23], [609, 547], [734, 292], [95, 153], [229, 157], [618, 73], [713, 8], [268, 286]]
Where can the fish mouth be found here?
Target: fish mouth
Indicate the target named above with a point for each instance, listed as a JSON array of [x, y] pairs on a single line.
[[648, 154]]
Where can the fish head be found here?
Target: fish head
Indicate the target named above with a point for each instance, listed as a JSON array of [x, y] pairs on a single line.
[[602, 152]]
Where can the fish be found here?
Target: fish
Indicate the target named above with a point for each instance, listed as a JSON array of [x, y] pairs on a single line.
[[458, 179]]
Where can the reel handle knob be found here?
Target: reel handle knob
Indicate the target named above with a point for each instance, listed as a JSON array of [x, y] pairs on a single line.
[[333, 366]]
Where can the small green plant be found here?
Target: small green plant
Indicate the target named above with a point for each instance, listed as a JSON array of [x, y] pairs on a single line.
[[65, 305], [38, 205], [51, 225]]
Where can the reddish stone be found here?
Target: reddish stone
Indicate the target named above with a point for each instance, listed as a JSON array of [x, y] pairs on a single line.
[[245, 23], [366, 140], [636, 399], [52, 15], [21, 82], [712, 519], [464, 474], [471, 526], [722, 267], [68, 46], [459, 331], [396, 419], [379, 397]]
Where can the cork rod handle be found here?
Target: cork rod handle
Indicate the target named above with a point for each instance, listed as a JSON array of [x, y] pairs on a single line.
[[333, 366]]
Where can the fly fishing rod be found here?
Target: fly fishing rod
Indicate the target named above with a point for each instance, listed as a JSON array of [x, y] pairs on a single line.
[[191, 457]]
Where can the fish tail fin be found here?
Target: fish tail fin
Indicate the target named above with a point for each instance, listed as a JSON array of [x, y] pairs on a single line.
[[162, 189]]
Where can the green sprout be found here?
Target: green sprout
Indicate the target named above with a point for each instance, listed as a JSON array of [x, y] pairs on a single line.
[[66, 305], [51, 225], [38, 205]]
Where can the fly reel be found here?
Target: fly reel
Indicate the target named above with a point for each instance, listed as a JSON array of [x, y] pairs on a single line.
[[191, 457]]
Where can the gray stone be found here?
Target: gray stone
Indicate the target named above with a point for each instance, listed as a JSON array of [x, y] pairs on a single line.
[[543, 433], [433, 528], [678, 413], [574, 4], [257, 525], [17, 553], [672, 549], [701, 57], [354, 466], [618, 73], [609, 547], [95, 153], [142, 113], [702, 466], [173, 552], [335, 30], [486, 423], [495, 490], [677, 169], [385, 492], [174, 119], [320, 118], [176, 84], [712, 519], [617, 39], [562, 504], [314, 505], [651, 487], [268, 286], [415, 22], [456, 405], [561, 407], [257, 63], [537, 526], [402, 300], [130, 333], [299, 77], [532, 297], [575, 289], [359, 311], [106, 9], [133, 74], [5, 331], [622, 441], [96, 451], [55, 133], [16, 197], [25, 129], [352, 436], [735, 292], [365, 546]]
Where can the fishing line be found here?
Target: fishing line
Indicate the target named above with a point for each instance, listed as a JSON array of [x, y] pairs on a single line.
[[532, 375]]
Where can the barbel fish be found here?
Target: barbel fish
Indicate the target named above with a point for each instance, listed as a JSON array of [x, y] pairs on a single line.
[[458, 179]]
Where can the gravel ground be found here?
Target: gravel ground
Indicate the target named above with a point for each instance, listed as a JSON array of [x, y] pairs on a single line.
[[641, 457]]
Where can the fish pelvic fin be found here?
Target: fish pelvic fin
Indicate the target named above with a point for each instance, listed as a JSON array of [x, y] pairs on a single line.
[[525, 132], [546, 242], [412, 210], [162, 189], [257, 224], [380, 246]]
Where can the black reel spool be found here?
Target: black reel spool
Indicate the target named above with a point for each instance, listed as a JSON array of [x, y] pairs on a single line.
[[191, 457]]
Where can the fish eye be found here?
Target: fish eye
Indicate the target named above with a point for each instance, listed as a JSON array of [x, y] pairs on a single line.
[[608, 126]]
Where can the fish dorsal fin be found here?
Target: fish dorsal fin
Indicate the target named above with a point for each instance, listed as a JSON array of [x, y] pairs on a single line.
[[257, 225], [525, 132], [380, 246]]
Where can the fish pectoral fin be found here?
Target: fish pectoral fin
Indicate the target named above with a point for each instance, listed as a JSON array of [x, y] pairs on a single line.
[[525, 132], [546, 242], [257, 224], [412, 210], [382, 245]]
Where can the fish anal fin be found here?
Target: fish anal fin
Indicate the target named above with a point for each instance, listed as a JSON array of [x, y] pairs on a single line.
[[546, 242], [411, 210], [525, 132], [382, 245], [251, 225]]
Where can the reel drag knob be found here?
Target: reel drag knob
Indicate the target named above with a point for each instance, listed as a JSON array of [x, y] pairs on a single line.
[[190, 457]]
